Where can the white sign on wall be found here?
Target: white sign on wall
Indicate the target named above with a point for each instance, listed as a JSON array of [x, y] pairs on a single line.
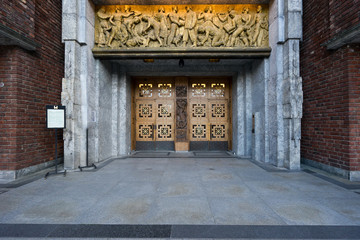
[[55, 116]]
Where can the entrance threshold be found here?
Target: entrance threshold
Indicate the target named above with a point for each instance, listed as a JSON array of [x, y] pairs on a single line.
[[173, 154]]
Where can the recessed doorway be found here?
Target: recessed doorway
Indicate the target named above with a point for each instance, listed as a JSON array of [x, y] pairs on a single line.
[[181, 113]]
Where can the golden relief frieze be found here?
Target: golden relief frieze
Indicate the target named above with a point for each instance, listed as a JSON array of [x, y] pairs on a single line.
[[242, 26]]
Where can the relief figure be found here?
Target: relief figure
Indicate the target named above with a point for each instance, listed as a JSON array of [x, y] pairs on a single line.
[[207, 14], [190, 24], [212, 31], [239, 27], [246, 18], [162, 18], [131, 19], [224, 22], [118, 30], [264, 32], [153, 29], [175, 22], [104, 27], [136, 39], [258, 31]]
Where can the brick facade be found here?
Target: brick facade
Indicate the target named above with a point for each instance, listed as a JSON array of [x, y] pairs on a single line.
[[32, 79], [331, 84], [20, 16]]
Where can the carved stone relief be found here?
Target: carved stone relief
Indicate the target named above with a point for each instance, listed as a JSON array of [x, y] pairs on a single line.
[[181, 119], [241, 26], [181, 113], [181, 91]]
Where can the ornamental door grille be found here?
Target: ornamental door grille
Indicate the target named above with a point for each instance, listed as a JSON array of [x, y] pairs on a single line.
[[181, 113]]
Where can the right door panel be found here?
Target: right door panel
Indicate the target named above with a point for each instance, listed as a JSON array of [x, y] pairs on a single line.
[[209, 114]]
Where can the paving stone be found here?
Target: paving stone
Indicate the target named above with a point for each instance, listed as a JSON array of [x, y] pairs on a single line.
[[274, 189], [243, 211], [349, 208], [144, 176], [61, 210], [134, 189], [187, 210], [181, 188], [226, 189], [119, 210], [306, 212], [171, 175], [219, 176]]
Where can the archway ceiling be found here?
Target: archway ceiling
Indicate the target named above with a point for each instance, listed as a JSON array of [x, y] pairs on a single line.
[[165, 2]]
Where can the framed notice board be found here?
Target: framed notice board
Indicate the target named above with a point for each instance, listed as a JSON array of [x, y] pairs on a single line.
[[55, 117]]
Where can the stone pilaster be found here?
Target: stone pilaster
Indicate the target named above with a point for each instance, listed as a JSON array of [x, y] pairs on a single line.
[[78, 20], [292, 84]]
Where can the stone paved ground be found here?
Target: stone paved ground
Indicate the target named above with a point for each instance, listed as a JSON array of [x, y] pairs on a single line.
[[211, 191]]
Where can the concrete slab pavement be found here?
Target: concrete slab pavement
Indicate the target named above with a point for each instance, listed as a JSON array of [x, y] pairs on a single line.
[[187, 191]]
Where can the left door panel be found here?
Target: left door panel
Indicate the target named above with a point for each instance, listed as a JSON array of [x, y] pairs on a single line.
[[154, 114]]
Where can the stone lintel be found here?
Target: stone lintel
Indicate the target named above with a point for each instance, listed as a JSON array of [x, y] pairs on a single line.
[[223, 53], [11, 37]]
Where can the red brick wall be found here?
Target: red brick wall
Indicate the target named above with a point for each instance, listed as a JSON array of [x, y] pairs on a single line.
[[31, 81], [19, 15], [354, 106], [331, 84], [8, 119], [342, 15]]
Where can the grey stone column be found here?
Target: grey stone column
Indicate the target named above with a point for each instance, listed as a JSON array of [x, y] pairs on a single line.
[[285, 106], [239, 115], [276, 38], [124, 114], [77, 34], [267, 103], [292, 87], [293, 99], [114, 109], [93, 112], [260, 105], [248, 111], [258, 137]]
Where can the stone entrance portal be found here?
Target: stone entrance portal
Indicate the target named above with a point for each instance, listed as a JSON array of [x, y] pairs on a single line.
[[181, 113], [109, 47]]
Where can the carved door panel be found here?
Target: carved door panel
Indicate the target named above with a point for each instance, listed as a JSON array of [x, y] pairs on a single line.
[[199, 124], [164, 124], [154, 114], [209, 114], [145, 116], [186, 113], [199, 119], [145, 120]]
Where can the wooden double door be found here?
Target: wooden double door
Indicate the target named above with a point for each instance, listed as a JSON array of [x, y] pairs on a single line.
[[181, 113]]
